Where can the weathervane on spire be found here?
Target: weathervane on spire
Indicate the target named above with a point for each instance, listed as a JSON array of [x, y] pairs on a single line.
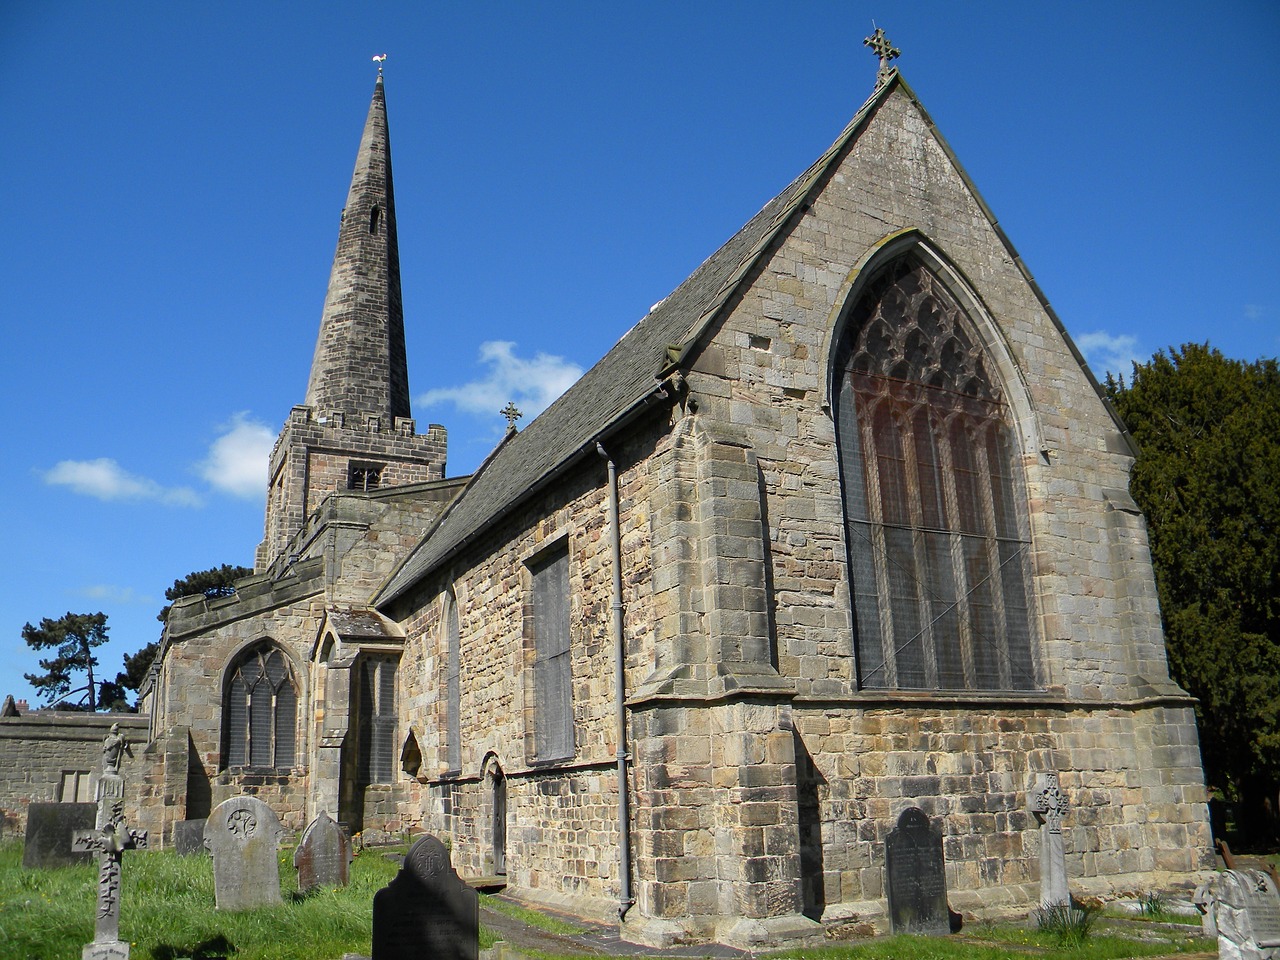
[[512, 413], [883, 49], [379, 60]]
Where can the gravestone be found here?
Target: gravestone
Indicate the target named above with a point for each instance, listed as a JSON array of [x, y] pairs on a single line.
[[1242, 910], [1049, 804], [915, 876], [243, 834], [188, 837], [109, 839], [426, 911], [323, 857], [49, 830]]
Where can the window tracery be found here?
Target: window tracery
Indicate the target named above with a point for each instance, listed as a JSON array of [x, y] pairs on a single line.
[[938, 546], [261, 710]]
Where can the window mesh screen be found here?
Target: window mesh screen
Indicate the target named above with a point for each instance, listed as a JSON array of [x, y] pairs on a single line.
[[453, 685], [939, 555], [553, 696], [261, 711], [377, 719]]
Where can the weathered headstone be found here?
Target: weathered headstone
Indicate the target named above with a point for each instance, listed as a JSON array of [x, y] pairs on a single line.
[[109, 839], [1049, 804], [243, 834], [323, 857], [188, 837], [50, 827], [915, 876], [1242, 909], [426, 911]]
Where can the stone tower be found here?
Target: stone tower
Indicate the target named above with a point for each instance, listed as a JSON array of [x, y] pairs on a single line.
[[354, 431]]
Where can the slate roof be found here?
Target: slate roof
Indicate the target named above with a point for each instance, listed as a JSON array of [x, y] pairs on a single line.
[[606, 393]]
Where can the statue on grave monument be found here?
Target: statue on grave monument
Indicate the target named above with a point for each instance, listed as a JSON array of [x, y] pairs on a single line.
[[114, 746]]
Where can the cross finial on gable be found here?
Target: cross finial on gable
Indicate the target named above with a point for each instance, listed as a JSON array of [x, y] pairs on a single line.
[[883, 49], [512, 413]]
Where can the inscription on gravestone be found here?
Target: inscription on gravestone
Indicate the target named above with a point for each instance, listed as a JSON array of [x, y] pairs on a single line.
[[915, 876], [243, 834], [1242, 909], [426, 911], [323, 857]]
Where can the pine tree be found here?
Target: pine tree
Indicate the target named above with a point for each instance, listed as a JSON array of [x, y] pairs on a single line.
[[74, 636]]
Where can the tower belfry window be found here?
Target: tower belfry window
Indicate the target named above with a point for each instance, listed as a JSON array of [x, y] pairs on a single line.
[[364, 476], [375, 219], [936, 529]]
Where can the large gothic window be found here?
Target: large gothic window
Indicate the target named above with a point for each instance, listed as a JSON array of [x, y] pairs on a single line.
[[261, 710], [939, 552]]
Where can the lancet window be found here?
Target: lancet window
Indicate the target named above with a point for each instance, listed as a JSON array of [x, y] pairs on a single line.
[[939, 550]]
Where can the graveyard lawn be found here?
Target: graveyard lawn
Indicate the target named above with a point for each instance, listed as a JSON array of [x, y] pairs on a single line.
[[167, 912]]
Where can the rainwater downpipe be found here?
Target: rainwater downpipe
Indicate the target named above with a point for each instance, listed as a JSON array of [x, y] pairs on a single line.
[[625, 900]]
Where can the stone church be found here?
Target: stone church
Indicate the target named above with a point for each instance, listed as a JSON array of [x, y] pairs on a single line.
[[839, 529]]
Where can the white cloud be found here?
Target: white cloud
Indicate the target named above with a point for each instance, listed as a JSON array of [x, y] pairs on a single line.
[[113, 594], [532, 384], [107, 480], [1253, 311], [238, 460], [1110, 354]]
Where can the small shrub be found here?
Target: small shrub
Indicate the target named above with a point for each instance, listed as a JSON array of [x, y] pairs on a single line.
[[1068, 923], [1153, 905]]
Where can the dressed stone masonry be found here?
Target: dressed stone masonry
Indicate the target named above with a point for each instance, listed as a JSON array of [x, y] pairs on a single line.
[[1049, 805], [109, 839]]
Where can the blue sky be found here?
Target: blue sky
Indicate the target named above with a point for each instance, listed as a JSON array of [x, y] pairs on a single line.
[[174, 172]]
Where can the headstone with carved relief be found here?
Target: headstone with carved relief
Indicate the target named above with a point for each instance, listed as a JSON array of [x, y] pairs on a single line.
[[243, 834], [426, 911]]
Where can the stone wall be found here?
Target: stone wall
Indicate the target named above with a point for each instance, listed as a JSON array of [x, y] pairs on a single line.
[[42, 755]]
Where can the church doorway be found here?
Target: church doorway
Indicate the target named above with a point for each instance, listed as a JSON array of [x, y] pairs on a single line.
[[496, 782]]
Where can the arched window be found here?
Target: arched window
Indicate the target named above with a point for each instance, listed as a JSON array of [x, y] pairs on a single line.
[[939, 552], [261, 710]]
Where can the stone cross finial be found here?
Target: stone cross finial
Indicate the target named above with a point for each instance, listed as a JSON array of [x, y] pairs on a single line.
[[883, 49], [512, 413]]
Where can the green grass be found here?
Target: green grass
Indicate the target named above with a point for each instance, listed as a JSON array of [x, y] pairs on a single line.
[[531, 917], [167, 911]]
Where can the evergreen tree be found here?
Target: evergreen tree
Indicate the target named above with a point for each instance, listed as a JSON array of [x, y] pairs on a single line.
[[212, 583], [1208, 479], [74, 637]]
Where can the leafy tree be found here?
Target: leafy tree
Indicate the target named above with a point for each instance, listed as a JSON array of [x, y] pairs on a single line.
[[1208, 431], [136, 666], [74, 637], [214, 582]]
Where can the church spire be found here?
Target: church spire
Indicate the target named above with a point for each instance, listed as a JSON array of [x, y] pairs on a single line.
[[359, 368]]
